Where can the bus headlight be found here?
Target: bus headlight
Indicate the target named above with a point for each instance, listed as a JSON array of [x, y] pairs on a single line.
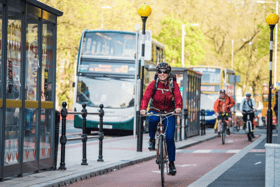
[[128, 116]]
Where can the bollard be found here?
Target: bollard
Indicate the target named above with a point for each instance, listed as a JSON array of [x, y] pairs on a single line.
[[101, 135], [84, 136], [63, 138], [202, 122], [56, 136]]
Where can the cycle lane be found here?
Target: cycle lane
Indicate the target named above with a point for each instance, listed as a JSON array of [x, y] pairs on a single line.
[[192, 163]]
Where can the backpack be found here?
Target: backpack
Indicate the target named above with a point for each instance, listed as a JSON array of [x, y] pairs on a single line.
[[248, 103], [171, 79]]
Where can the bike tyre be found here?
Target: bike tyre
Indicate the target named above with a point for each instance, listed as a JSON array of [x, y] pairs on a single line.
[[161, 162], [238, 128], [249, 135]]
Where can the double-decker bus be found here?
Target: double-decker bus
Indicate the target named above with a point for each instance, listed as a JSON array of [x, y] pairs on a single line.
[[106, 75], [213, 79], [265, 103]]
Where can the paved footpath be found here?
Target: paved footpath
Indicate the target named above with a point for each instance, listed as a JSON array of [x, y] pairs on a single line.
[[117, 153], [197, 166]]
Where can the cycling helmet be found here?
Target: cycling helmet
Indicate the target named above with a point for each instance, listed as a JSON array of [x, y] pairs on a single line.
[[222, 91], [163, 65], [248, 94]]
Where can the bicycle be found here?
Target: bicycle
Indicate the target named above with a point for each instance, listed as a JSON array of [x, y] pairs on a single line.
[[162, 155], [248, 127], [224, 126]]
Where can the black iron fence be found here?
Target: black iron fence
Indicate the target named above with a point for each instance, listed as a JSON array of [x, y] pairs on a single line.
[[84, 137]]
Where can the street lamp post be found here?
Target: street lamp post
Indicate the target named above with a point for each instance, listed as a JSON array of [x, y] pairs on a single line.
[[276, 35], [136, 100], [102, 20], [144, 11], [271, 19]]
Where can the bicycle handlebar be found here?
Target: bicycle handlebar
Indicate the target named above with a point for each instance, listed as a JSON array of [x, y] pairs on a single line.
[[160, 115], [248, 112]]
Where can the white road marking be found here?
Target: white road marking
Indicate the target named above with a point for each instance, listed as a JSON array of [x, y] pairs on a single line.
[[233, 151], [258, 163], [185, 165], [203, 151], [158, 171]]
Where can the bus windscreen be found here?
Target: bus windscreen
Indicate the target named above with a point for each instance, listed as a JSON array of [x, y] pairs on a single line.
[[210, 75], [102, 44]]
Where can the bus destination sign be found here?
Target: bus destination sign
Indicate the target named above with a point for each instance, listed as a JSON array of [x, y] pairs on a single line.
[[210, 88], [114, 68]]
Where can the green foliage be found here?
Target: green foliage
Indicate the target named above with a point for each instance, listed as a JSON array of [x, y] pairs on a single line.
[[171, 36]]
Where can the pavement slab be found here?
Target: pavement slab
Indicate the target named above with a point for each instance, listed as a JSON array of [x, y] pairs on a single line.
[[118, 153], [192, 164]]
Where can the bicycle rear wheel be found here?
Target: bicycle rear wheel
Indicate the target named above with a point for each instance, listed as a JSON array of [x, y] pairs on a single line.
[[161, 159]]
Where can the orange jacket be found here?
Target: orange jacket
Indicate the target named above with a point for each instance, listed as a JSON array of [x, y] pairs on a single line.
[[223, 105]]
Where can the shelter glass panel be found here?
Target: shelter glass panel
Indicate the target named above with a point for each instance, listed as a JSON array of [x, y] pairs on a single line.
[[1, 71], [1, 87], [45, 135], [29, 149], [13, 87], [32, 61], [47, 61]]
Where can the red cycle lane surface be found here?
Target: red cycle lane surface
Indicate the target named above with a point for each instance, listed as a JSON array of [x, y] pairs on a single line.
[[191, 164]]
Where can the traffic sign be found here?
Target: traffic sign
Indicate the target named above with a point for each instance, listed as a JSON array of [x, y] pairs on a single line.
[[148, 44], [234, 78]]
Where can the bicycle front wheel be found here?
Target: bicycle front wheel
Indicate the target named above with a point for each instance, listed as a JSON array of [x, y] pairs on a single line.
[[161, 158]]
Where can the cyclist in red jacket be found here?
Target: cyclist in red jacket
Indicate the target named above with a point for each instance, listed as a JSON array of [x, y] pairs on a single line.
[[163, 97]]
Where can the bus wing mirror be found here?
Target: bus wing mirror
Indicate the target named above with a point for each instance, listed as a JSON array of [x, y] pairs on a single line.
[[73, 85]]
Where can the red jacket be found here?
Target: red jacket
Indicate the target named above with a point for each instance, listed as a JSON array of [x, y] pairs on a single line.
[[223, 105], [162, 99]]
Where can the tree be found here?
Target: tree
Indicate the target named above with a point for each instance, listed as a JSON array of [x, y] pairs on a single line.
[[194, 52]]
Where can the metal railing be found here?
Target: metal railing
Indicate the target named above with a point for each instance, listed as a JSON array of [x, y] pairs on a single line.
[[84, 137]]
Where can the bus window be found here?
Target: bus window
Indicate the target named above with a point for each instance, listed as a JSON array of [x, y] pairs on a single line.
[[210, 75], [109, 44]]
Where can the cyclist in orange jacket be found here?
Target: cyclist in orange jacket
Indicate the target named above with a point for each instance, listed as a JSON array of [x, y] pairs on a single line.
[[223, 105]]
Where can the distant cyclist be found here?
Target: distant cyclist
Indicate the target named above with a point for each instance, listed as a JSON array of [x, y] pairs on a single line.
[[248, 105], [166, 97], [223, 105]]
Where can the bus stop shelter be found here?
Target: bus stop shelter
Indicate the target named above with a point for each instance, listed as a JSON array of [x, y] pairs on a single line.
[[189, 82], [27, 86]]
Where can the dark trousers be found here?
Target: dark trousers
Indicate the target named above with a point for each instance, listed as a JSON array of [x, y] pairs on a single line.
[[170, 121]]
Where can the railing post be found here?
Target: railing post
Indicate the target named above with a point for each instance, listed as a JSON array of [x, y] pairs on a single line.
[[180, 129], [101, 135], [63, 138], [202, 122], [84, 135], [56, 134]]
